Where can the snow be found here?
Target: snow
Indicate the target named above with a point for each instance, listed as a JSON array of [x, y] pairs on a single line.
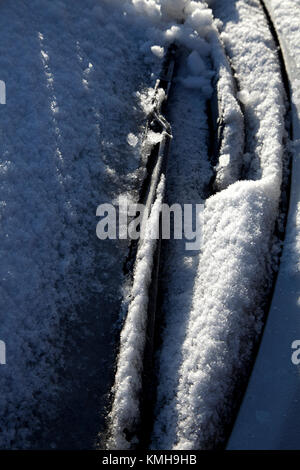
[[286, 20], [174, 9], [127, 386], [72, 70], [158, 51], [189, 172], [224, 319], [71, 136], [125, 410], [269, 415], [196, 64], [132, 139], [229, 167]]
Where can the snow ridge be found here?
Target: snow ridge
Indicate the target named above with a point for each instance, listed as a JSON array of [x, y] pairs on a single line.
[[235, 264]]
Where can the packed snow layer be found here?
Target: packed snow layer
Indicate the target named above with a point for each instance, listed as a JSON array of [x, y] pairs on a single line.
[[234, 270], [254, 67], [230, 119], [188, 176], [72, 70], [195, 76], [128, 387], [286, 17], [269, 414]]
